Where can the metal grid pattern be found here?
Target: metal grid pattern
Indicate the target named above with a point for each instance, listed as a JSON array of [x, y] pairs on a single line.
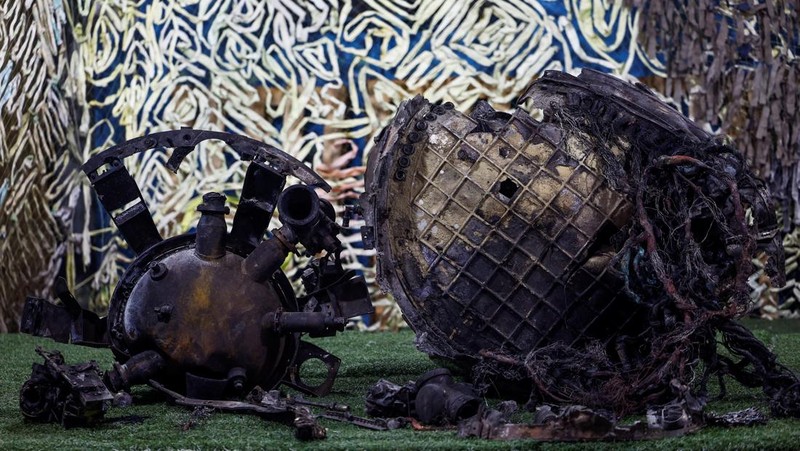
[[506, 226]]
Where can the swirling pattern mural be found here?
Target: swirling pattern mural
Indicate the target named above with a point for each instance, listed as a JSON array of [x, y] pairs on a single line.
[[316, 78]]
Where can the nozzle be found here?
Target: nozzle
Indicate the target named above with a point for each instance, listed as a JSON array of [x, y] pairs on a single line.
[[310, 218], [298, 208]]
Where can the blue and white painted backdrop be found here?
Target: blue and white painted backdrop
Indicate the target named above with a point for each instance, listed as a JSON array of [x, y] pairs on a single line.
[[316, 78]]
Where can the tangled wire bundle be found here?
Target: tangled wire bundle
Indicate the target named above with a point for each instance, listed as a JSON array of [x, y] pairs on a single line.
[[699, 218]]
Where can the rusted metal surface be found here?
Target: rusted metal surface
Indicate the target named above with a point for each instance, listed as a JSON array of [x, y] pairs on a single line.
[[590, 257], [73, 395], [210, 314]]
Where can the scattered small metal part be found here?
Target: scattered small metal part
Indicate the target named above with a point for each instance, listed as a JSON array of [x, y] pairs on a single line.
[[375, 424], [434, 399], [73, 395], [746, 417], [197, 417], [122, 399], [565, 424]]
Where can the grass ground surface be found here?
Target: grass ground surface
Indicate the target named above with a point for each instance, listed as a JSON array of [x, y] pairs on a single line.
[[366, 357]]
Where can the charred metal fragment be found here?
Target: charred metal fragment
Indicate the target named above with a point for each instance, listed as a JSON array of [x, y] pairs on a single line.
[[72, 395], [291, 410], [579, 423], [45, 319], [135, 371], [747, 417], [434, 399], [568, 424], [65, 323], [306, 427], [441, 400], [590, 257], [387, 399], [375, 424]]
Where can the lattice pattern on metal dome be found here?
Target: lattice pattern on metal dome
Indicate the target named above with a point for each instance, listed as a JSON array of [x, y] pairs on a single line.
[[509, 224]]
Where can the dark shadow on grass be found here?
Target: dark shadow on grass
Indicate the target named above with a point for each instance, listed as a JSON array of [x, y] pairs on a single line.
[[145, 396]]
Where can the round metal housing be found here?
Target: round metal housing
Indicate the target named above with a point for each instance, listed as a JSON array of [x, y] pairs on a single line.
[[204, 316], [210, 313]]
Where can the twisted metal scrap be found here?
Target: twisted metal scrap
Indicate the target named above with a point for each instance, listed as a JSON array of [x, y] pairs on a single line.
[[700, 217]]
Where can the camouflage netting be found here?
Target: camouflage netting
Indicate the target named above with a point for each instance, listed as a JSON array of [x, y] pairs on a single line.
[[700, 215], [734, 67], [38, 145]]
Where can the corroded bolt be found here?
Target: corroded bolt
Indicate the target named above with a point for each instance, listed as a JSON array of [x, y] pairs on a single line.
[[163, 313], [403, 161], [116, 332], [158, 271]]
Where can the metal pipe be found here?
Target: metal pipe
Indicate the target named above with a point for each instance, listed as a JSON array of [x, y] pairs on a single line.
[[211, 229], [137, 370], [308, 322], [268, 257], [298, 208]]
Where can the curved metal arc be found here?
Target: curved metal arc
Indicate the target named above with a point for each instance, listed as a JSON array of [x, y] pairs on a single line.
[[185, 140]]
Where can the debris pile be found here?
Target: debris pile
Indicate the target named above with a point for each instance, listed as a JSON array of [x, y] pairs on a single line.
[[591, 258], [594, 255], [208, 314]]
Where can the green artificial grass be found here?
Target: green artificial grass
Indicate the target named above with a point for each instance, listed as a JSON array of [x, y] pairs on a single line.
[[366, 357]]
